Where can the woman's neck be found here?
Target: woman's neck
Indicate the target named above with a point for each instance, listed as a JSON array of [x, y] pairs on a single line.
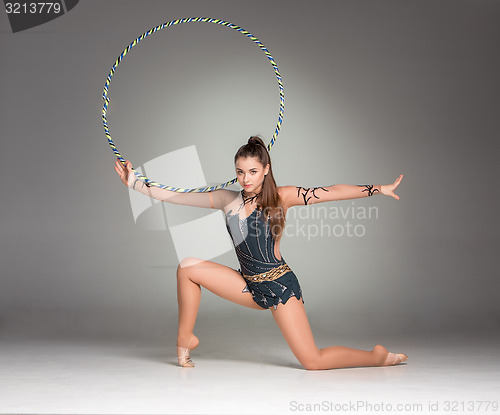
[[250, 197], [251, 194]]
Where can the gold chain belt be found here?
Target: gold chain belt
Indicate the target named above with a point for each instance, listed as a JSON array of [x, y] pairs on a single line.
[[270, 275]]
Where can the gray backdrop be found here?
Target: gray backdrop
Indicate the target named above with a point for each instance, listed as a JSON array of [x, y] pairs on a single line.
[[373, 89]]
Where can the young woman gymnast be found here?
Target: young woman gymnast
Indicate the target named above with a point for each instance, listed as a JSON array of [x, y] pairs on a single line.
[[255, 219]]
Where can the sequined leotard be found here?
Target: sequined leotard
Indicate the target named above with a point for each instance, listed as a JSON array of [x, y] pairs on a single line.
[[254, 245]]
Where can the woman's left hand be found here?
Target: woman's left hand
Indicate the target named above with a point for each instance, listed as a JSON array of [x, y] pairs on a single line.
[[388, 189]]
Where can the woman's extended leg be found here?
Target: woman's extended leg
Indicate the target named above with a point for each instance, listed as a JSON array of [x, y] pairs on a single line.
[[192, 273], [293, 323]]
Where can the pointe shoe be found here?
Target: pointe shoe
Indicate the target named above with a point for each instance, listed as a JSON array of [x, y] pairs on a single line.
[[393, 359], [183, 356]]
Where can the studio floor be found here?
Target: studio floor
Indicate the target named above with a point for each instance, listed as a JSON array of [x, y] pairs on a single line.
[[445, 373]]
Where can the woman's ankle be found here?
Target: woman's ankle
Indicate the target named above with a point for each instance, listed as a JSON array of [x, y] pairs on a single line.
[[189, 341], [380, 355]]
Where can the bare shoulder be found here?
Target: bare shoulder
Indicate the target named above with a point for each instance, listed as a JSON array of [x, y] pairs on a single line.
[[223, 198], [287, 195]]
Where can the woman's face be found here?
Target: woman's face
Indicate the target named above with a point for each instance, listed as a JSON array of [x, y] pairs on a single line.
[[250, 174]]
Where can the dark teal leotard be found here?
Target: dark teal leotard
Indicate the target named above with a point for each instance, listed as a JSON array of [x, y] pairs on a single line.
[[254, 245]]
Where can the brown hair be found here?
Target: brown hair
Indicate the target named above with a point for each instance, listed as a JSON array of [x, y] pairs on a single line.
[[269, 199]]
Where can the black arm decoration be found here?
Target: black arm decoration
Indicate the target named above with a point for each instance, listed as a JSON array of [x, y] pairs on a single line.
[[306, 192], [369, 188]]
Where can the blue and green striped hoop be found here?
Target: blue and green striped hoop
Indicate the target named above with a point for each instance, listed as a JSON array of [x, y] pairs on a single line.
[[148, 181]]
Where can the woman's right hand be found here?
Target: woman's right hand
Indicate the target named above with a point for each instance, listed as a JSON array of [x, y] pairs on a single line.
[[125, 172]]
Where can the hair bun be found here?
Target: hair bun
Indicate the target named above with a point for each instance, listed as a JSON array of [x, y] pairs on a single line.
[[256, 141]]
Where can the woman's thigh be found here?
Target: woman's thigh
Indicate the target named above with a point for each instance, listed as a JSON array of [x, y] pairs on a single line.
[[219, 279]]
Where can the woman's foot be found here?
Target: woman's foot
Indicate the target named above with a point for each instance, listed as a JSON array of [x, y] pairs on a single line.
[[386, 358], [184, 346], [393, 359]]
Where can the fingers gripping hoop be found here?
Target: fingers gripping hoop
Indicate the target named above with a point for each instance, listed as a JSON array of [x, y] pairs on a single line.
[[150, 182]]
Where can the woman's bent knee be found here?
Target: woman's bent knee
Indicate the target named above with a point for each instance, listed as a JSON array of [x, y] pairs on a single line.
[[311, 364], [312, 361], [187, 262]]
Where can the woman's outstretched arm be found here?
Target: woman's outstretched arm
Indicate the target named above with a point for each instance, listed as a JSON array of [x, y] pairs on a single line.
[[217, 199], [296, 195]]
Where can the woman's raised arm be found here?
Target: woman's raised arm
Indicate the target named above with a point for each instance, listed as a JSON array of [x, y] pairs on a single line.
[[217, 199], [296, 196]]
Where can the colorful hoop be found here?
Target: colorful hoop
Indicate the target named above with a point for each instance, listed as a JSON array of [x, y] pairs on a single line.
[[147, 181]]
